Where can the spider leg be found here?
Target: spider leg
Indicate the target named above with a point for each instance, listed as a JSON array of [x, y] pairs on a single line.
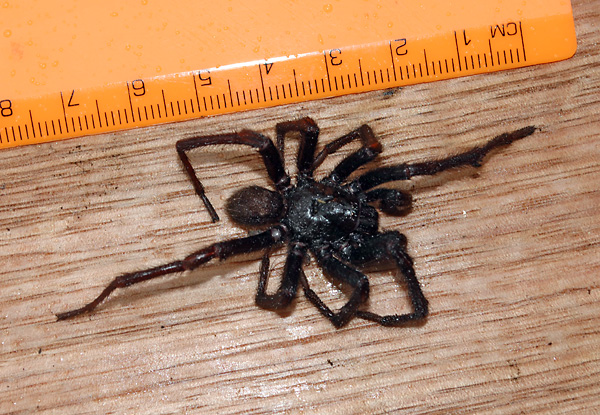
[[345, 274], [270, 155], [309, 134], [289, 284], [391, 201], [391, 245], [220, 250], [370, 148], [473, 157]]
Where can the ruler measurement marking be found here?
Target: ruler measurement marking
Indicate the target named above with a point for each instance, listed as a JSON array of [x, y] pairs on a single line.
[[164, 103], [99, 118], [63, 108], [295, 81], [230, 93], [411, 61], [196, 91], [457, 51], [32, 125], [393, 61], [130, 103], [362, 81], [262, 83], [491, 51], [522, 41], [327, 70]]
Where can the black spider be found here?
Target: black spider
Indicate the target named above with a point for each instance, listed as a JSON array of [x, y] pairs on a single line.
[[334, 219]]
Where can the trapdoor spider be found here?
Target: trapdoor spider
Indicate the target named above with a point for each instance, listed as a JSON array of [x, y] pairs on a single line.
[[334, 219]]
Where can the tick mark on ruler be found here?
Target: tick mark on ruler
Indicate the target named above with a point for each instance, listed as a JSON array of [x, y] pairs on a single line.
[[64, 112], [32, 125], [164, 103]]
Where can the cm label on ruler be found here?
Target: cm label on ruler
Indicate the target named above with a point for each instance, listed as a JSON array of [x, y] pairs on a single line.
[[296, 78]]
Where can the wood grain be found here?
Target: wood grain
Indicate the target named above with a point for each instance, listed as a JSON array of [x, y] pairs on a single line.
[[508, 256]]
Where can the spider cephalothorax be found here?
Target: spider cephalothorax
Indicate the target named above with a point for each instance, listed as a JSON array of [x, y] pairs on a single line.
[[333, 219]]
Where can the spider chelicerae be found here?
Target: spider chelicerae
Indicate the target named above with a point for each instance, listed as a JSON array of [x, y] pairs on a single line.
[[334, 219]]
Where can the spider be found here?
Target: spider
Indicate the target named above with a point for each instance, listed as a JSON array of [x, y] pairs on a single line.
[[334, 219]]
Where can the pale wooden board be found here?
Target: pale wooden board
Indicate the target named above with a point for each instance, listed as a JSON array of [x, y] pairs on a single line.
[[508, 255]]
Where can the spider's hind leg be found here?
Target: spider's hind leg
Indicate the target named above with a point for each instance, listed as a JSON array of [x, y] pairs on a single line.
[[270, 155], [392, 245], [220, 250]]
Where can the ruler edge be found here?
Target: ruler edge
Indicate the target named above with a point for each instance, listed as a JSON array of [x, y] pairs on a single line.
[[569, 53]]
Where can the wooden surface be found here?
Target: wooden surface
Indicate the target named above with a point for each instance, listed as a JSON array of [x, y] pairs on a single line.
[[508, 256]]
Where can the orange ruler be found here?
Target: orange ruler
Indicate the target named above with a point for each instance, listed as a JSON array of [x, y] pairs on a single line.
[[72, 68]]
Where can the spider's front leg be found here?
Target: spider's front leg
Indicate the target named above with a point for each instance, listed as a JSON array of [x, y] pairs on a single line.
[[220, 250], [473, 157], [270, 155]]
